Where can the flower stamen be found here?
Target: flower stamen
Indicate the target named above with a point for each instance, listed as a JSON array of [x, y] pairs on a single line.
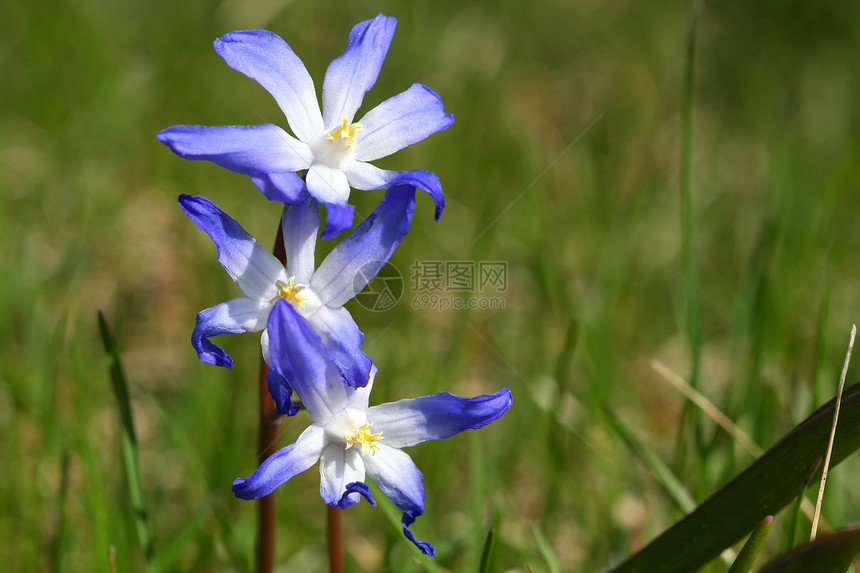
[[346, 131], [290, 291], [363, 436]]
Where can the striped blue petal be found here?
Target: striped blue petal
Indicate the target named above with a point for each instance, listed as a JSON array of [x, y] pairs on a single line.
[[402, 120], [357, 259], [409, 422], [354, 72], [252, 266], [238, 315], [365, 176], [297, 353], [265, 57], [282, 465], [248, 149]]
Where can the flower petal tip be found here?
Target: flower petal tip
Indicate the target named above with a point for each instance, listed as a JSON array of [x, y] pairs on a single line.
[[356, 487]]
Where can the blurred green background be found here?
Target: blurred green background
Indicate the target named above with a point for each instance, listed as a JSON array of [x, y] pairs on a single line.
[[564, 162]]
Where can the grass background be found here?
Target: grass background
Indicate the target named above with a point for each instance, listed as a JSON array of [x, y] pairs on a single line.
[[564, 162]]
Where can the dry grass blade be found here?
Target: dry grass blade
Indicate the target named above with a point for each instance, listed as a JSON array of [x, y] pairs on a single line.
[[817, 515], [721, 419]]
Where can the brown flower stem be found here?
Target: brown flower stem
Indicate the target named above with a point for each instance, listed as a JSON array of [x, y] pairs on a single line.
[[335, 539], [269, 442]]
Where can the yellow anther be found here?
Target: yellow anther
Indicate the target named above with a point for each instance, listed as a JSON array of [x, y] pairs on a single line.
[[347, 131], [363, 436], [290, 292]]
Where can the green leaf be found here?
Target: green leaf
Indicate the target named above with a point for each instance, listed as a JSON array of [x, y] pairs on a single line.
[[128, 442], [764, 488], [830, 553]]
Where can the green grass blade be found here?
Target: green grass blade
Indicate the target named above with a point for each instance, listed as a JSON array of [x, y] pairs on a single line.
[[488, 554], [128, 442], [545, 549], [751, 549], [768, 485], [661, 471], [58, 543], [830, 553], [692, 312], [691, 287]]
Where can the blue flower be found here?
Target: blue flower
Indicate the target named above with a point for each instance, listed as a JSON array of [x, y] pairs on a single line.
[[333, 149], [352, 440], [318, 295]]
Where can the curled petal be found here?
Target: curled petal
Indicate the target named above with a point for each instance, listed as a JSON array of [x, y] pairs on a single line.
[[400, 480], [357, 259], [241, 314], [338, 469], [365, 176], [248, 149], [354, 72], [282, 465], [265, 57], [399, 121], [409, 422], [297, 353], [251, 265], [342, 339], [300, 224], [358, 487]]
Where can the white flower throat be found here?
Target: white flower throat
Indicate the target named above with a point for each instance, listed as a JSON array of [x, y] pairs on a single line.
[[351, 428], [336, 147], [290, 292]]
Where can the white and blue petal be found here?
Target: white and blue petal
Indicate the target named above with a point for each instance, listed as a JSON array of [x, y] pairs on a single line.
[[354, 72], [408, 422], [327, 184], [359, 397], [265, 57], [253, 267], [342, 339], [400, 121], [238, 315], [248, 149], [338, 469], [282, 465], [357, 259], [401, 480], [365, 176], [299, 225], [297, 353], [284, 187]]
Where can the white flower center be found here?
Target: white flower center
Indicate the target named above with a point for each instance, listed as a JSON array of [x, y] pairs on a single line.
[[336, 147], [290, 291], [350, 427]]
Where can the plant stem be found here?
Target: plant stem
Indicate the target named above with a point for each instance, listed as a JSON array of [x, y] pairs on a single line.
[[269, 441], [335, 539]]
